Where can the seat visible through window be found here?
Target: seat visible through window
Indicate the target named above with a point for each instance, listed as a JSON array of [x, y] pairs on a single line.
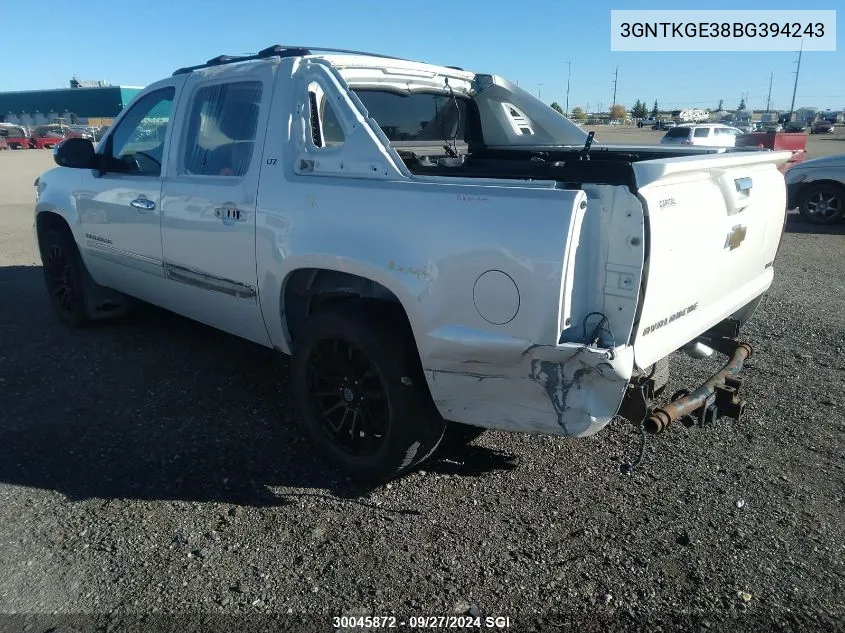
[[223, 127]]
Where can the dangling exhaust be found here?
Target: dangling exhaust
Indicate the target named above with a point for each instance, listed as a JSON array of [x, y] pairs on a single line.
[[717, 397]]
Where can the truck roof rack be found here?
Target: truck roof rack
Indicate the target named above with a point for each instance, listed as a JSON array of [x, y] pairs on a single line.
[[277, 50]]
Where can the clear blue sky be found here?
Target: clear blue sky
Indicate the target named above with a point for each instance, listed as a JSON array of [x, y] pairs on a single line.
[[135, 43]]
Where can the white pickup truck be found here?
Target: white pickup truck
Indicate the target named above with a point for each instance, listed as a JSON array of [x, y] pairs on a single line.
[[439, 251]]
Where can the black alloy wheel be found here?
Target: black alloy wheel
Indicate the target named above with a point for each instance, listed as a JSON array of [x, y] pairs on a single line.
[[63, 274], [360, 392], [823, 203], [348, 397]]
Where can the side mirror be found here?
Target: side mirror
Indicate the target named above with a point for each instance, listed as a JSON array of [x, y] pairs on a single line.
[[75, 152]]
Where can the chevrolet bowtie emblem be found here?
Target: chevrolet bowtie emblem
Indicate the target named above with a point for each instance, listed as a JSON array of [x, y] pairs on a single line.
[[735, 237]]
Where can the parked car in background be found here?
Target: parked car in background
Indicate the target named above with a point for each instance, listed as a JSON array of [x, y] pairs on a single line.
[[663, 125], [712, 134], [795, 126], [47, 136], [79, 131], [100, 132], [649, 120], [17, 136], [821, 127], [817, 188]]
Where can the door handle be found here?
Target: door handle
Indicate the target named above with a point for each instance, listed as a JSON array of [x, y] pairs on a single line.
[[143, 204], [743, 184]]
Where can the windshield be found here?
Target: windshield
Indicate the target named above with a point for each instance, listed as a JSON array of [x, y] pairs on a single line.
[[11, 131]]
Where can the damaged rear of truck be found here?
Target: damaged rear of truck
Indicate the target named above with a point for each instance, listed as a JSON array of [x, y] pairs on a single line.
[[546, 277], [439, 251]]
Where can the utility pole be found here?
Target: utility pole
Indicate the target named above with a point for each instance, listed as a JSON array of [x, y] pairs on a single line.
[[615, 79], [795, 87], [538, 90], [568, 75], [769, 98]]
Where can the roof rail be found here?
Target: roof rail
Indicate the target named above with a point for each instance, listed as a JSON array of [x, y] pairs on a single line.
[[278, 50]]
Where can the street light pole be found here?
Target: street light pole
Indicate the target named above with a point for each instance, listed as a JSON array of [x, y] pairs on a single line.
[[538, 90], [568, 75], [769, 98], [795, 87]]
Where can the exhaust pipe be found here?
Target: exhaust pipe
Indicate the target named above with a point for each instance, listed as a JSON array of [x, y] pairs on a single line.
[[719, 396], [697, 350]]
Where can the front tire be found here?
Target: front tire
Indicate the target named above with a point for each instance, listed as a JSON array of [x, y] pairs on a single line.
[[360, 392], [822, 203], [64, 274]]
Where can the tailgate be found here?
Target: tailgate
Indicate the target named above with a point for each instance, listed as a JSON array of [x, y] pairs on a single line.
[[714, 225]]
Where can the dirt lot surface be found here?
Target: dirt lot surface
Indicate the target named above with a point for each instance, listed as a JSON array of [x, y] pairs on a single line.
[[152, 468]]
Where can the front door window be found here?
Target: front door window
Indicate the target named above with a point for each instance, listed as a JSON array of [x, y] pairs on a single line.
[[137, 143]]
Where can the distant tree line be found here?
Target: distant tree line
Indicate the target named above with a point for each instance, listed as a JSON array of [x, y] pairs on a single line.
[[640, 110]]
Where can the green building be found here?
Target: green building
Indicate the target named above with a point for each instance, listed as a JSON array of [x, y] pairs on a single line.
[[95, 105]]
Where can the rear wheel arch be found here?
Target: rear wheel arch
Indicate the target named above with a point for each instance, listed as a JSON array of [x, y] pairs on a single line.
[[306, 290]]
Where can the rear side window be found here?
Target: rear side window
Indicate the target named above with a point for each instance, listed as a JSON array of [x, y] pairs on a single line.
[[417, 117], [222, 128], [702, 132], [326, 129], [677, 132]]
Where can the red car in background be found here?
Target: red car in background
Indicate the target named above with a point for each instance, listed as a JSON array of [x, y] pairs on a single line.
[[821, 127], [46, 136], [17, 137]]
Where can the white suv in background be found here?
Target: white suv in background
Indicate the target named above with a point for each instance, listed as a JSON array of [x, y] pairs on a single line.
[[714, 134]]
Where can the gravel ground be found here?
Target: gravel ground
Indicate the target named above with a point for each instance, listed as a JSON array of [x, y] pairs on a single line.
[[152, 467]]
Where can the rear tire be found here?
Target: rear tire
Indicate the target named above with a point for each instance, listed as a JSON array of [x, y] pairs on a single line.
[[660, 375], [360, 392], [822, 203]]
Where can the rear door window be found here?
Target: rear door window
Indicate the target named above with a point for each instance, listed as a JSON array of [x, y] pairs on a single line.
[[221, 129], [702, 132]]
